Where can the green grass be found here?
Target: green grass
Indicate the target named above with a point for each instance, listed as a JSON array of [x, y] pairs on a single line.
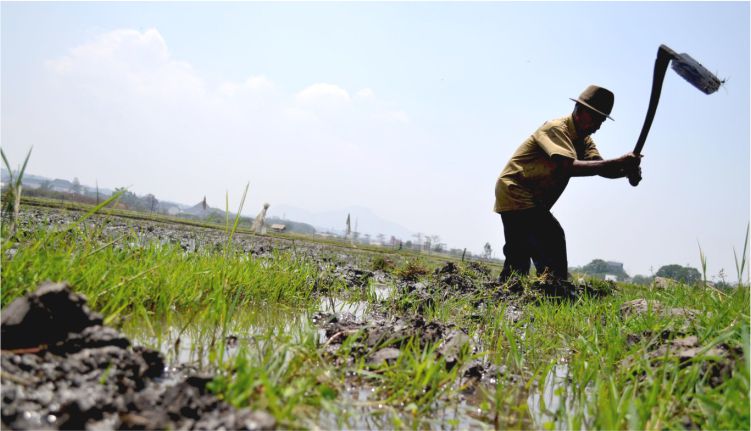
[[591, 338], [125, 279], [281, 367]]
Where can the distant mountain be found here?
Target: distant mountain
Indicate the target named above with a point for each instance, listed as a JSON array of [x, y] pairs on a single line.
[[34, 181], [368, 222], [203, 210], [297, 219]]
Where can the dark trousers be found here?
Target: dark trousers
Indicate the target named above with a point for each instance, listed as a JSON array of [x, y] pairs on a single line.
[[533, 234]]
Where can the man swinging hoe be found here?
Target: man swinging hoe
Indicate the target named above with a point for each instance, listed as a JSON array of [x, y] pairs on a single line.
[[541, 167], [538, 172]]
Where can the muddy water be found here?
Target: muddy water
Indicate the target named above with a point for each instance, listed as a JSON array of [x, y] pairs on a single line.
[[555, 396], [187, 344]]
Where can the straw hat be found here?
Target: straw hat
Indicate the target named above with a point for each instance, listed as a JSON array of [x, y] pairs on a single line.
[[597, 99]]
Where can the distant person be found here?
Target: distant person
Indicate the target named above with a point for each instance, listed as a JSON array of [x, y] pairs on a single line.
[[538, 172]]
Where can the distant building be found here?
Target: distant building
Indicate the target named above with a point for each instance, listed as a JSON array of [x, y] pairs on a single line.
[[278, 227], [59, 185]]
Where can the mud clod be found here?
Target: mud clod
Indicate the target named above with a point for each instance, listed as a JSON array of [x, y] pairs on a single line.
[[61, 369], [714, 361], [45, 317], [641, 306], [387, 355]]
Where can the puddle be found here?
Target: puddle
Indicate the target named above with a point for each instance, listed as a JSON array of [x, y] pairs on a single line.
[[187, 343], [382, 291], [340, 307], [358, 406], [556, 400], [364, 410]]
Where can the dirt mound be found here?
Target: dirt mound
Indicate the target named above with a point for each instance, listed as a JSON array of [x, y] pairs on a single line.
[[380, 338], [677, 344], [61, 369], [641, 306]]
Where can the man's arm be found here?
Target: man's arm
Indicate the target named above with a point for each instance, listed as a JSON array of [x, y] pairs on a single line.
[[613, 168]]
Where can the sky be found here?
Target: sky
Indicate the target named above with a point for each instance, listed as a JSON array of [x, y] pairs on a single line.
[[410, 109]]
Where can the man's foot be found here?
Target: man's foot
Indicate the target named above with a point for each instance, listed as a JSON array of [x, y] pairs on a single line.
[[556, 287]]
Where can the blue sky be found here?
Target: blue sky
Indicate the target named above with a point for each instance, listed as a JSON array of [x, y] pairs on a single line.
[[410, 109]]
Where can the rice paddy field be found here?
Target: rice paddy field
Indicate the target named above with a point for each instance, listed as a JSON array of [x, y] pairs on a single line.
[[329, 336]]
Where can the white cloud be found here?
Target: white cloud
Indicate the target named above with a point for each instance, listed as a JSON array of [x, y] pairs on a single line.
[[127, 60], [323, 93], [118, 46], [122, 108]]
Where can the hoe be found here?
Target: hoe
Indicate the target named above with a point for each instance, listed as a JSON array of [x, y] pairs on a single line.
[[690, 70]]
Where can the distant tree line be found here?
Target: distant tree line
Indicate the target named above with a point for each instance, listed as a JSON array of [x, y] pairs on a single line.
[[599, 268]]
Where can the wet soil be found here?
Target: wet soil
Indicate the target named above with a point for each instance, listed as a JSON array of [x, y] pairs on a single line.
[[676, 343], [350, 268], [62, 369], [73, 372]]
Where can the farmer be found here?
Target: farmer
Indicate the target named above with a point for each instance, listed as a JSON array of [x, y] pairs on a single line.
[[537, 174]]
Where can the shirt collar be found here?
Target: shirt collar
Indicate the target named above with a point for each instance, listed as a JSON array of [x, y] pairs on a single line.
[[572, 128]]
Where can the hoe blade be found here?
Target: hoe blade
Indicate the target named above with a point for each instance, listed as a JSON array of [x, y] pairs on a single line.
[[693, 72]]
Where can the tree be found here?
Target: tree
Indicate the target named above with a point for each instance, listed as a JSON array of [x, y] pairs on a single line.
[[128, 198], [76, 186], [487, 251], [151, 201], [684, 274], [599, 268]]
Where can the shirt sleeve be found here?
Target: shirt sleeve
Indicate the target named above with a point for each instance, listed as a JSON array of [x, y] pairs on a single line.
[[590, 149], [555, 141]]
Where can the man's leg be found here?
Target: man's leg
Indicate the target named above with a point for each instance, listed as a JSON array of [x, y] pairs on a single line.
[[516, 250], [549, 245]]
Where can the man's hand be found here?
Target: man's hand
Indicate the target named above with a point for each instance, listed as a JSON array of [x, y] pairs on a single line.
[[630, 166], [621, 166], [635, 177], [629, 162]]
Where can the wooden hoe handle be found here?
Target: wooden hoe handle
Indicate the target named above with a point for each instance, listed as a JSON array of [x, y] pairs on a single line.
[[664, 55]]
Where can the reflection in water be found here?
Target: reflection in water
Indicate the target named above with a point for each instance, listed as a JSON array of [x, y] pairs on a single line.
[[337, 306], [543, 406], [382, 291], [557, 396], [186, 341]]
